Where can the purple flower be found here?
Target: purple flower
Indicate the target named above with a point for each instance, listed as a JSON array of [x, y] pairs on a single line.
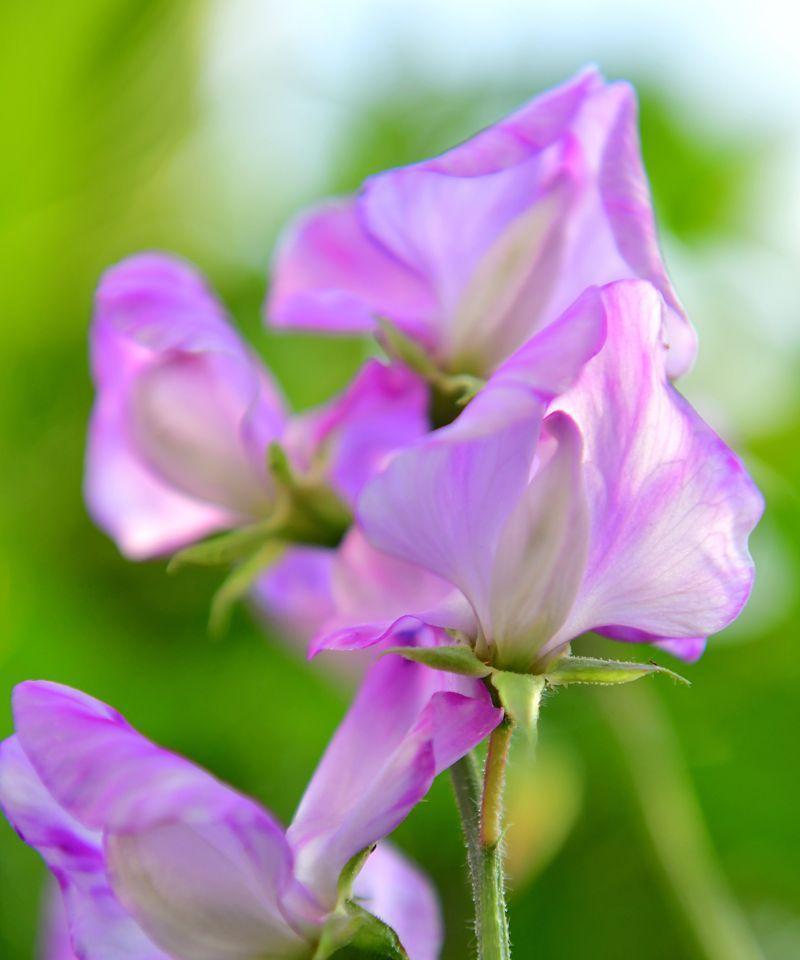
[[157, 859], [185, 414], [578, 491], [472, 252]]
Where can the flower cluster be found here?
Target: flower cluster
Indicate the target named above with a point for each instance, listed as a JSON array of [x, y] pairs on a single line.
[[519, 471]]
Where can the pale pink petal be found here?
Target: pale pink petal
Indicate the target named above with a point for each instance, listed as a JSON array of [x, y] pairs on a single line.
[[183, 413], [330, 274], [671, 506], [542, 551], [398, 892], [443, 502]]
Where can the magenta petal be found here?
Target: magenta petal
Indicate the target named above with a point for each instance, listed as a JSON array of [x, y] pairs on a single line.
[[100, 927], [395, 890], [55, 942], [384, 409], [330, 274], [202, 868], [671, 506], [382, 761], [183, 414]]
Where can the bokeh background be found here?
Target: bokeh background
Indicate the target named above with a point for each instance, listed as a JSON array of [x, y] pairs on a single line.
[[660, 821]]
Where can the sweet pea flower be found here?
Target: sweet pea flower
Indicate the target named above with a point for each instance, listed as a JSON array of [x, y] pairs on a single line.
[[185, 415], [156, 859], [472, 252], [578, 491], [55, 942]]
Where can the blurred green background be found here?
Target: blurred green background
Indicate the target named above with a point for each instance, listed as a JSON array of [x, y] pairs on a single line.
[[661, 822]]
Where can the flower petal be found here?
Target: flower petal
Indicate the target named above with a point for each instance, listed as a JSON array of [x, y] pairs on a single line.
[[473, 251], [202, 868], [384, 409], [612, 229], [296, 591], [443, 502], [542, 551], [100, 927], [671, 506], [400, 894], [407, 724], [55, 940], [330, 274], [183, 414]]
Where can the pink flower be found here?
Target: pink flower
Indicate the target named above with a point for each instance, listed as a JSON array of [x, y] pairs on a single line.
[[157, 859], [472, 252], [578, 491], [185, 414]]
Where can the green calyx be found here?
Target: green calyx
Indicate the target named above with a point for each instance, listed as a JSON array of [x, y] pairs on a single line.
[[450, 392], [520, 693], [306, 511], [350, 932]]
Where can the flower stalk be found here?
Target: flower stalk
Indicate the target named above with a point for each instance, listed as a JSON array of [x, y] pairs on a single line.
[[480, 803]]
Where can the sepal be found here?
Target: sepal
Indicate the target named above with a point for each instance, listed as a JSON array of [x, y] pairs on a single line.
[[520, 695], [307, 511], [452, 659], [238, 582], [225, 548], [351, 933], [593, 670]]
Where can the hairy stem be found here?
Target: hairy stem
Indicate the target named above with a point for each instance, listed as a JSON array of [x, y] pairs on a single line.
[[494, 781], [481, 807]]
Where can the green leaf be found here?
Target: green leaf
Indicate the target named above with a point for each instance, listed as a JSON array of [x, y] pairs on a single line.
[[353, 934], [593, 670], [520, 695], [456, 659], [238, 582], [226, 548]]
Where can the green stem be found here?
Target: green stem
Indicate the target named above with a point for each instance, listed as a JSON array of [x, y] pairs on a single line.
[[480, 806], [494, 781]]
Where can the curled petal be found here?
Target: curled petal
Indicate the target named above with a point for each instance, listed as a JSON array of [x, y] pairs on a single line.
[[183, 414], [330, 274], [89, 919], [381, 762], [442, 503], [671, 507], [542, 551], [201, 868], [397, 892], [475, 250]]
